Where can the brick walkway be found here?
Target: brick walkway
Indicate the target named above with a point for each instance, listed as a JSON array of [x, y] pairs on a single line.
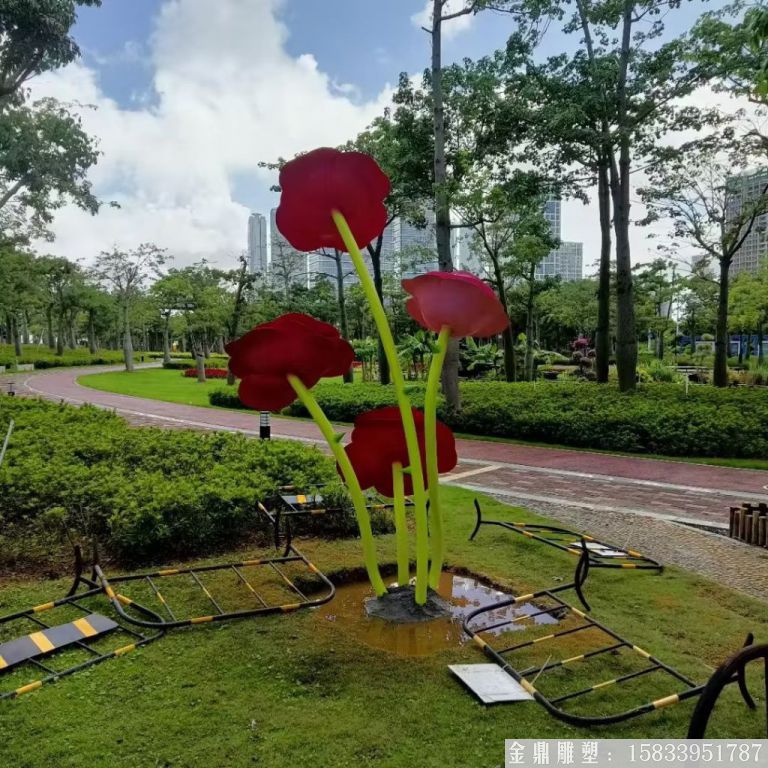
[[607, 494]]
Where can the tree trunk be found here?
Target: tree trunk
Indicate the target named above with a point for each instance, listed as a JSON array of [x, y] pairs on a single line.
[[60, 335], [529, 329], [16, 335], [348, 374], [200, 362], [25, 327], [167, 338], [92, 345], [510, 359], [720, 374], [693, 333], [626, 334], [127, 340], [450, 375], [375, 254], [49, 326], [760, 344], [602, 336]]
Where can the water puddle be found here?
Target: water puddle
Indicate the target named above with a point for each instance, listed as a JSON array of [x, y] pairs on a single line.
[[463, 593]]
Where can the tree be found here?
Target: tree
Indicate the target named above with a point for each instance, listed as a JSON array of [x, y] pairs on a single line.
[[400, 145], [441, 14], [126, 273], [634, 83], [35, 38], [657, 287], [341, 274], [18, 290], [511, 236], [44, 161], [749, 305], [699, 191], [569, 309]]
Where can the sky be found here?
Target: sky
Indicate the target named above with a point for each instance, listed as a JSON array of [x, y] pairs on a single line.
[[187, 97]]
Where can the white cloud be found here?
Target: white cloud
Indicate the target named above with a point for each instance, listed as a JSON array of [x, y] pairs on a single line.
[[228, 95], [451, 28]]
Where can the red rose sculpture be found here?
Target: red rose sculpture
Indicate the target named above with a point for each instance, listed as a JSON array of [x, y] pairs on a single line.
[[378, 442], [458, 300], [326, 180], [293, 344]]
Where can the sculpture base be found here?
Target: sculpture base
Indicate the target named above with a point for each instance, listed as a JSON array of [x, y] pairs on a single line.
[[399, 606]]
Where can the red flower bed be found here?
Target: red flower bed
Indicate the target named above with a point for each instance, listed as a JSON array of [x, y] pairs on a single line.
[[210, 373]]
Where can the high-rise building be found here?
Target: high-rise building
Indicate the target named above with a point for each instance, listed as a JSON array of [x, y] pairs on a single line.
[[415, 247], [287, 266], [257, 244], [466, 252], [564, 262], [746, 189]]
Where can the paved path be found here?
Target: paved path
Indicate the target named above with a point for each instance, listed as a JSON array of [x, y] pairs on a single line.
[[621, 498]]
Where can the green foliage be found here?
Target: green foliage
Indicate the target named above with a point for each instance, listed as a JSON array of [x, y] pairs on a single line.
[[659, 418], [146, 493], [42, 357]]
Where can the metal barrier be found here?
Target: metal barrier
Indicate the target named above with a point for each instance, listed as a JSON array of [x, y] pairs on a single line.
[[88, 633], [601, 554]]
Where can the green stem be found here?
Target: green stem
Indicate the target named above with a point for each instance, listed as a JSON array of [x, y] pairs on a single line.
[[409, 425], [347, 470], [437, 536], [401, 526]]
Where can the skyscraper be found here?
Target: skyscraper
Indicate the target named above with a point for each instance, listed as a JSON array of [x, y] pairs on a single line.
[[257, 244], [745, 189], [564, 262], [415, 247]]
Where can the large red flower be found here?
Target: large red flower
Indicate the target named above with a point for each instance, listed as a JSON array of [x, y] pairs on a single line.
[[378, 442], [459, 300], [293, 344], [326, 180]]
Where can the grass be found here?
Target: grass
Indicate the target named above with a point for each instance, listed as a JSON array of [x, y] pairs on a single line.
[[171, 386], [295, 690]]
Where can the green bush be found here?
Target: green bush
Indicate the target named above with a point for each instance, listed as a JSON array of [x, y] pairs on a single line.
[[657, 418], [43, 357], [147, 493]]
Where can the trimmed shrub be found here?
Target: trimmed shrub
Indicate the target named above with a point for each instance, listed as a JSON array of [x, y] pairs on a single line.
[[147, 494], [657, 418], [42, 357]]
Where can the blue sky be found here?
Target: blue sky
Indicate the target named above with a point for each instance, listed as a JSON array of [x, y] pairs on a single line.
[[366, 43], [190, 95]]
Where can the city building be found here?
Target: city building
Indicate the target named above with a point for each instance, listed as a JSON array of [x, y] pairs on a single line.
[[257, 244], [564, 262], [744, 189], [414, 247], [287, 266]]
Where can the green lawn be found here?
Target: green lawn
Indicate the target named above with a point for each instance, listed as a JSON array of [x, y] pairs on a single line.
[[171, 386], [296, 690]]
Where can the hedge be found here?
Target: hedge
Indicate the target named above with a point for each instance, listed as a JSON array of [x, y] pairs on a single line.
[[147, 494], [657, 418], [43, 357]]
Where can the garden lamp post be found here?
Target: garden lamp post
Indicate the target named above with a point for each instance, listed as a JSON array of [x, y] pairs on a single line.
[[265, 430]]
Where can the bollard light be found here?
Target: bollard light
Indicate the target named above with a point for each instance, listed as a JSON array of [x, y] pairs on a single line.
[[11, 389], [265, 430]]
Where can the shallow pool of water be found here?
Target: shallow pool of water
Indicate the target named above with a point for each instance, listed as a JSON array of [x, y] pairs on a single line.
[[464, 594]]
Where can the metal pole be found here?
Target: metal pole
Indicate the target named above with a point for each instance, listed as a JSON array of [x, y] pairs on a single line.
[[5, 442], [265, 430]]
